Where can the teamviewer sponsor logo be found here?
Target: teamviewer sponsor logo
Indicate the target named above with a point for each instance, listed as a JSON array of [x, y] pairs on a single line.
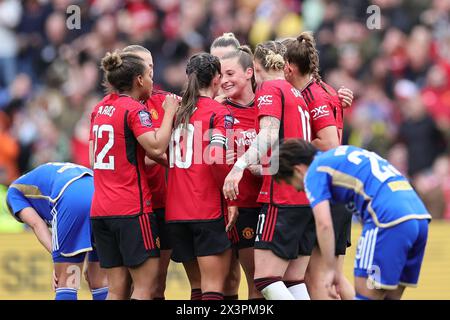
[[265, 100], [187, 147], [320, 112]]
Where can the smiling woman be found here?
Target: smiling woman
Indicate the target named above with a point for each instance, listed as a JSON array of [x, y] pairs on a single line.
[[238, 85]]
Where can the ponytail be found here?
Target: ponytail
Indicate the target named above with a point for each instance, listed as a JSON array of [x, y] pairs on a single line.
[[188, 101], [303, 53], [201, 70]]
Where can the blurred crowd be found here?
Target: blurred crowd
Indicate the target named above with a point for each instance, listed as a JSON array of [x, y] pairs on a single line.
[[400, 73]]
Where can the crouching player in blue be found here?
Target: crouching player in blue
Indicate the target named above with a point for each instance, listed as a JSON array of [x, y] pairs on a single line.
[[395, 221], [59, 195]]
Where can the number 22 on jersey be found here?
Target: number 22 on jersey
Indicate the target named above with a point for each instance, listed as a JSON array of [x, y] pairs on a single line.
[[381, 169]]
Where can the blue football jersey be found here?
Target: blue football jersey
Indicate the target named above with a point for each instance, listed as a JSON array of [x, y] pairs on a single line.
[[42, 187], [370, 186]]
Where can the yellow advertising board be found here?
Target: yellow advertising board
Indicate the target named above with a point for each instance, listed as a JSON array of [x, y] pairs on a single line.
[[26, 268]]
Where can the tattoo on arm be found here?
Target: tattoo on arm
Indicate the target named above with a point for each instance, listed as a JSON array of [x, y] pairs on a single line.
[[265, 140]]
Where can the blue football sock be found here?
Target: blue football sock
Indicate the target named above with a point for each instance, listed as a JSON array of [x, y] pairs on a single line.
[[100, 293], [66, 294], [361, 297]]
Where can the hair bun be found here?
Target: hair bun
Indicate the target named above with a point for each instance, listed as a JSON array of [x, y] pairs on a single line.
[[111, 61], [229, 35], [274, 60], [306, 36]]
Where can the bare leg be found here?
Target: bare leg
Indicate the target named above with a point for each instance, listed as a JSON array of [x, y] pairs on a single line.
[[214, 270], [234, 277], [164, 261], [145, 278], [362, 289], [96, 276], [119, 283], [247, 259]]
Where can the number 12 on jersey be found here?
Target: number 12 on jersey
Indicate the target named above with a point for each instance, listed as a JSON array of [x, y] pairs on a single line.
[[99, 159]]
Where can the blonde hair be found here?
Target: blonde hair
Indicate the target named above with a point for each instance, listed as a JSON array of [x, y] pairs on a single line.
[[270, 55]]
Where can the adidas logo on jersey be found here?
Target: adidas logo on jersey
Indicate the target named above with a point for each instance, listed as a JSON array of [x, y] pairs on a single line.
[[236, 121]]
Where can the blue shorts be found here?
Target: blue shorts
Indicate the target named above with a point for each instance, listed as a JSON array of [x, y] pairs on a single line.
[[71, 226], [390, 257]]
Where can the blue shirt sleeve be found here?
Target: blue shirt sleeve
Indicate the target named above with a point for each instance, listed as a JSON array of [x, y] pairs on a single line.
[[16, 202], [317, 185]]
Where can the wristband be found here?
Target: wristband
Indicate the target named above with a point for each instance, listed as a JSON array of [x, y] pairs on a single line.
[[241, 164]]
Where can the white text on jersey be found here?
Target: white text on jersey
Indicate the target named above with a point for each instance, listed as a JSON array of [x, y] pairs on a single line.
[[106, 110]]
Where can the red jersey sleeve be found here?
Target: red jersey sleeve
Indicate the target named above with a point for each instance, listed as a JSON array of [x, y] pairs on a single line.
[[269, 101], [321, 112], [140, 121]]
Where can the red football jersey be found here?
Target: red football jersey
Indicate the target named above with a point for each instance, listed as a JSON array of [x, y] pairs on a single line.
[[193, 192], [119, 178], [324, 107], [156, 175], [279, 99], [244, 129]]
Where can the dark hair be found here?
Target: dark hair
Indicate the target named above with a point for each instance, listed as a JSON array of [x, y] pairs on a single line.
[[121, 68], [135, 48], [245, 59], [293, 152], [270, 55], [303, 53], [287, 41], [226, 40], [201, 70]]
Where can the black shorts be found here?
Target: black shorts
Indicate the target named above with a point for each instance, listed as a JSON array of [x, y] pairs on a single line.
[[287, 231], [126, 241], [164, 243], [196, 239], [244, 232], [342, 224]]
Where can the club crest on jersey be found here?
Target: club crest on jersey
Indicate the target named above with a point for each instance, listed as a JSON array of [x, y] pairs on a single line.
[[319, 112], [145, 118], [248, 233], [229, 120], [265, 100], [154, 113]]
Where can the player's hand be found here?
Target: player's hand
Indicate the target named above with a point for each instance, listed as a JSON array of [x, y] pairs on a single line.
[[345, 96], [233, 214], [231, 184], [170, 104], [54, 280], [330, 282], [220, 98], [255, 169]]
